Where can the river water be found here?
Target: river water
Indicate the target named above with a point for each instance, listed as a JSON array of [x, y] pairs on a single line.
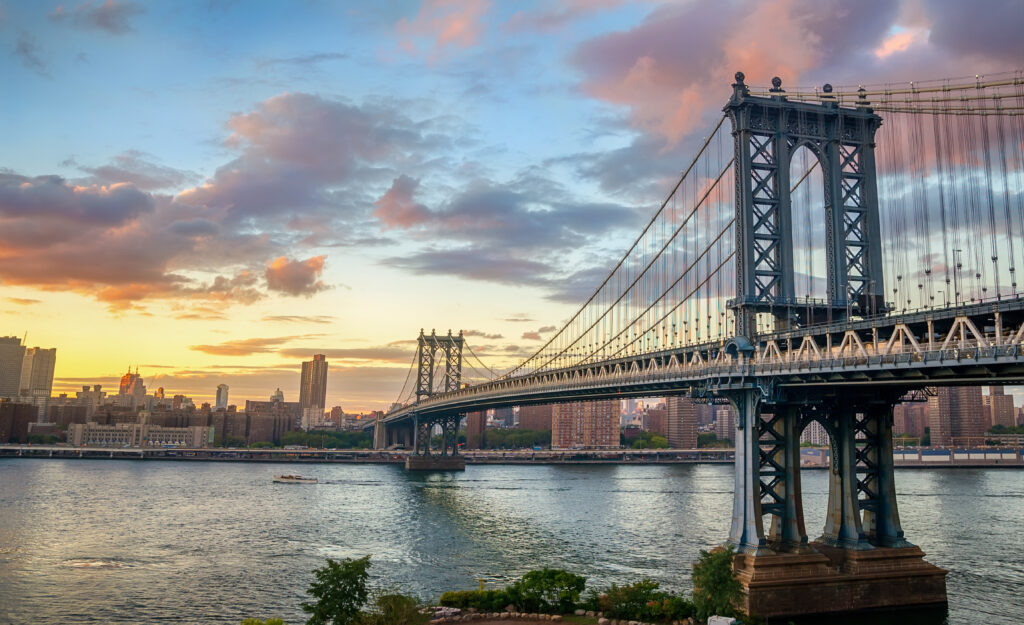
[[109, 541]]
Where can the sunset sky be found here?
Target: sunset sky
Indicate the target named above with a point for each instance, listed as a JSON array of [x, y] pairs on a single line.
[[215, 190]]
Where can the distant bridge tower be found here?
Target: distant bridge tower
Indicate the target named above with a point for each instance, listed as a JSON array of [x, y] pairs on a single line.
[[768, 131], [427, 349], [430, 350]]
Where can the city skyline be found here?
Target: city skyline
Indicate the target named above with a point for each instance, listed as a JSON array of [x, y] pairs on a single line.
[[215, 193]]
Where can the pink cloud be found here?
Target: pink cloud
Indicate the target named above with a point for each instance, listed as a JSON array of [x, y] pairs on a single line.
[[440, 24], [296, 277], [397, 209]]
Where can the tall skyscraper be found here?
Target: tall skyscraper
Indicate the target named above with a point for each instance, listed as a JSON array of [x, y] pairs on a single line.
[[313, 391], [222, 397], [37, 371], [132, 391], [955, 412], [1000, 407], [585, 424], [12, 358], [681, 422]]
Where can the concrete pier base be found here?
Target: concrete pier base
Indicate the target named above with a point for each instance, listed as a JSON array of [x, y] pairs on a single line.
[[435, 463], [828, 580]]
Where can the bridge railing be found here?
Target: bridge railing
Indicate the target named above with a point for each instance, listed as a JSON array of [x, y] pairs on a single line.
[[894, 342]]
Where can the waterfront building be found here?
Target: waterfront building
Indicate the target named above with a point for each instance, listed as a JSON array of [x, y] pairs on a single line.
[[593, 424], [138, 435], [275, 417], [956, 412], [476, 429], [12, 358], [999, 408], [313, 391], [681, 422], [536, 417], [222, 397], [14, 421]]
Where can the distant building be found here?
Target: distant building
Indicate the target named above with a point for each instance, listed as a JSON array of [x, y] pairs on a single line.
[[725, 423], [12, 359], [275, 417], [14, 421], [92, 399], [956, 412], [910, 418], [277, 395], [536, 417], [681, 422], [138, 435], [593, 424], [222, 397], [132, 391], [655, 420], [37, 371], [504, 417], [999, 407], [476, 429], [814, 434], [313, 391]]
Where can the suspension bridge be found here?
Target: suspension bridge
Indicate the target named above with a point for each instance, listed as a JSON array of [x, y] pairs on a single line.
[[826, 253]]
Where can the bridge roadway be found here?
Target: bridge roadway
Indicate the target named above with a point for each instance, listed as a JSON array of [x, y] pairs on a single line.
[[975, 344]]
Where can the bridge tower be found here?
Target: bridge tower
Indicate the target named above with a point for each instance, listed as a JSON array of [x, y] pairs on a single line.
[[767, 132], [861, 552], [428, 349]]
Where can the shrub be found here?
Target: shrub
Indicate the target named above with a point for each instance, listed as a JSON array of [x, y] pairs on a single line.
[[395, 609], [643, 601], [269, 621], [715, 588], [340, 592], [483, 600], [547, 590], [629, 601]]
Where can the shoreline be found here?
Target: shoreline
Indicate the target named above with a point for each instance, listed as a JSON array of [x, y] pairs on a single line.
[[575, 457]]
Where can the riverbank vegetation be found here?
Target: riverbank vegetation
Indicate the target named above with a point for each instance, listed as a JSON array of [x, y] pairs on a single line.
[[341, 596]]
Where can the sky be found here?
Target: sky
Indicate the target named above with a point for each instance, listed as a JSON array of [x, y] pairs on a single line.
[[214, 191]]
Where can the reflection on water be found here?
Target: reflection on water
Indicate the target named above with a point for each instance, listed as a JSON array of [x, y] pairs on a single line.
[[145, 541]]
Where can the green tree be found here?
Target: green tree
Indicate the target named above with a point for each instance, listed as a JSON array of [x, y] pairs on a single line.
[[649, 440], [715, 587], [395, 609], [547, 590], [340, 592], [926, 440]]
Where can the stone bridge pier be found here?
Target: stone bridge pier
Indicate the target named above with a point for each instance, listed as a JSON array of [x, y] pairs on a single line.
[[860, 560], [447, 457]]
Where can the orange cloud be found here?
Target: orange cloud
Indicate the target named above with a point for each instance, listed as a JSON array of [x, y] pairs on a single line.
[[901, 41], [441, 24]]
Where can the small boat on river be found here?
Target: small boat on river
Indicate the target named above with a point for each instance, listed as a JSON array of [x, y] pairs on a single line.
[[294, 479]]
